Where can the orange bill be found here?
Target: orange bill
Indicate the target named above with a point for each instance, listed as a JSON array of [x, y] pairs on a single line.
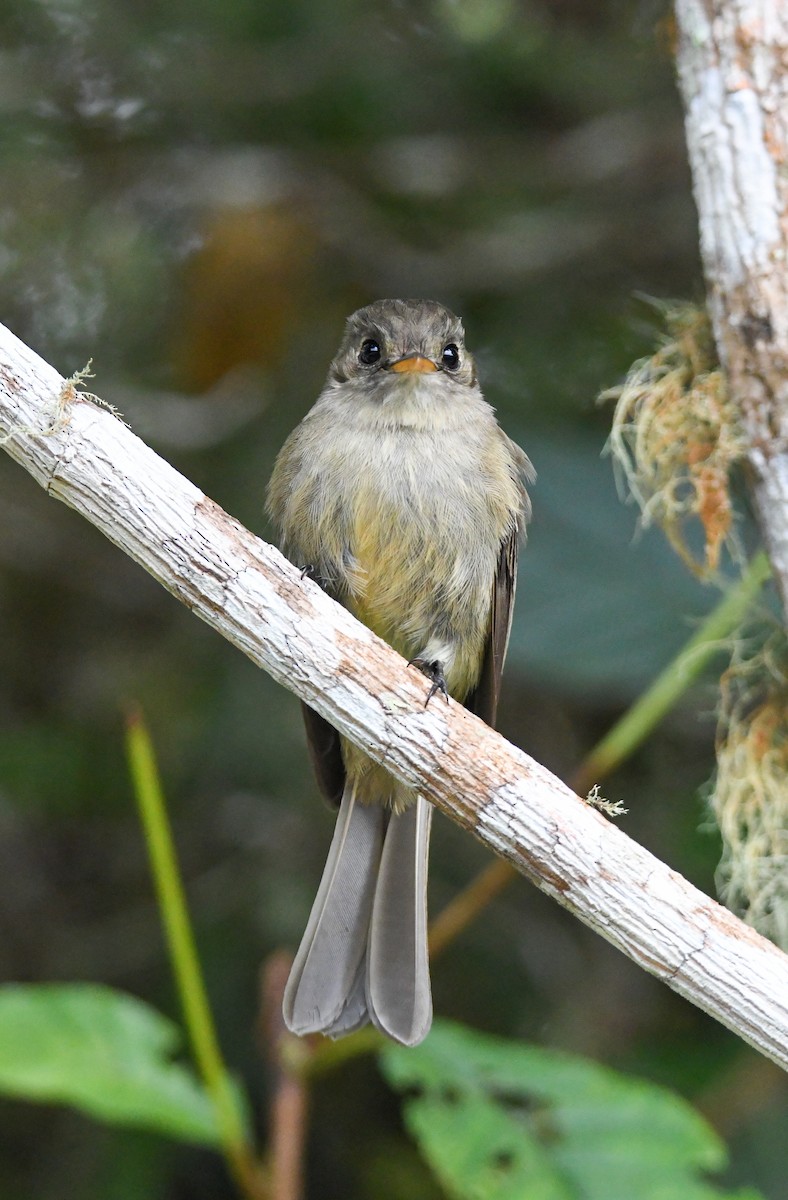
[[413, 362]]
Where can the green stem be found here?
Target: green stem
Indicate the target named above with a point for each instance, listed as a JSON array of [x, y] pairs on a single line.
[[666, 689], [183, 953]]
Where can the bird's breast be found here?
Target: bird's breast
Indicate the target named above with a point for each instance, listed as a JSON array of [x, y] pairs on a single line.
[[424, 539]]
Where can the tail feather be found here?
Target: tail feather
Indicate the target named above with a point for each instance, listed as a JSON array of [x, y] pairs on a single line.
[[398, 975], [323, 993], [355, 1012], [363, 955]]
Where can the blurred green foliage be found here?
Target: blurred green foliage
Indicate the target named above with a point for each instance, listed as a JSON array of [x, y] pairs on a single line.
[[104, 1052], [498, 1121], [195, 196]]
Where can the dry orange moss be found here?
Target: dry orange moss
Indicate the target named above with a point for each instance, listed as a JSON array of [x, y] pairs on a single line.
[[750, 797], [676, 435]]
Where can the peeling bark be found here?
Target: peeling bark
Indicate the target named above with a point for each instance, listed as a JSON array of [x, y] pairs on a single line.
[[732, 59]]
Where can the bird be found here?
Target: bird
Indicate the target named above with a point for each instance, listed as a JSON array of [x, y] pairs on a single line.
[[402, 496]]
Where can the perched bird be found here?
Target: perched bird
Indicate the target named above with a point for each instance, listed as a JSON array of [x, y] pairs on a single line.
[[403, 497]]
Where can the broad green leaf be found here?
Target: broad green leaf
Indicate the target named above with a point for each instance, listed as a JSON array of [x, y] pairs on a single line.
[[499, 1120], [477, 1149], [104, 1052]]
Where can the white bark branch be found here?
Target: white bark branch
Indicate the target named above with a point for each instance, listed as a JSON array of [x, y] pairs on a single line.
[[251, 595], [732, 58]]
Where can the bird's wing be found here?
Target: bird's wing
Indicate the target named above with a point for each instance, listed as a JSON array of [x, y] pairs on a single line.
[[325, 752], [483, 700]]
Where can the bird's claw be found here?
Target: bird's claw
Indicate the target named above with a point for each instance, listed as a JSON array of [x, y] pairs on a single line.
[[434, 672], [310, 571]]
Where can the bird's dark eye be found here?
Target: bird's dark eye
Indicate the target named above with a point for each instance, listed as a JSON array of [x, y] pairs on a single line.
[[369, 353], [450, 357]]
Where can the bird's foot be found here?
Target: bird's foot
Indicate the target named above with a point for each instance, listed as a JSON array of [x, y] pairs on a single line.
[[434, 672], [312, 572]]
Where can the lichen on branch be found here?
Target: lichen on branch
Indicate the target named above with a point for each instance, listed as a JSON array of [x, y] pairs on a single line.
[[750, 796], [676, 435]]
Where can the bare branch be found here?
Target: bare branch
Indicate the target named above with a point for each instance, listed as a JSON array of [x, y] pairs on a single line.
[[251, 595], [731, 58]]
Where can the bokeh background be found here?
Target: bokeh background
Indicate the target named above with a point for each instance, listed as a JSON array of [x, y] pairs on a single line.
[[194, 196]]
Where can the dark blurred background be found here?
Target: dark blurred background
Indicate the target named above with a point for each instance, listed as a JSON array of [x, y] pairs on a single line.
[[195, 196]]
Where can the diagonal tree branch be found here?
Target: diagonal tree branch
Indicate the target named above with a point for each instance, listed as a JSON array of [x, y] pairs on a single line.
[[256, 599], [731, 57]]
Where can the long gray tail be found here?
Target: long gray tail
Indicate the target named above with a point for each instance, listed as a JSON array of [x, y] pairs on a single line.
[[363, 956]]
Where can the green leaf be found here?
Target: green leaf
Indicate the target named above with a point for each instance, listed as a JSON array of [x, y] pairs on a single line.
[[499, 1120], [104, 1052]]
